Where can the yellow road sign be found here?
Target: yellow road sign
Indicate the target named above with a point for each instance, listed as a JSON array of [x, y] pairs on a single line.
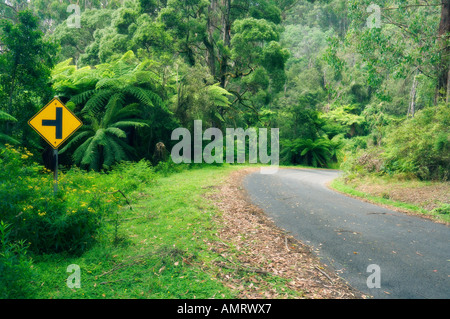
[[55, 123]]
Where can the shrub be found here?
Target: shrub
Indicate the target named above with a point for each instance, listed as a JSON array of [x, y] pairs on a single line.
[[49, 223], [168, 167], [15, 266], [421, 145], [71, 220], [417, 147], [130, 176]]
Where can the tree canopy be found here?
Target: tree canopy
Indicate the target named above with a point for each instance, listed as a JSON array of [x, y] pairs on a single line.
[[336, 77]]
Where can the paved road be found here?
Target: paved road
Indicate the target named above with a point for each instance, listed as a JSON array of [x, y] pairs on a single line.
[[413, 254]]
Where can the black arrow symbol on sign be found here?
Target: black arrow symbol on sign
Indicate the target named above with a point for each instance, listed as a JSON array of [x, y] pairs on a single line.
[[57, 123]]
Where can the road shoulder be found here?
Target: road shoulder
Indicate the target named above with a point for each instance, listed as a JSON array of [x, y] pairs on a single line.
[[393, 197]]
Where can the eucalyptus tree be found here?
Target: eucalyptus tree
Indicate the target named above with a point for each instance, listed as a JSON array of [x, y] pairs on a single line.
[[400, 40]]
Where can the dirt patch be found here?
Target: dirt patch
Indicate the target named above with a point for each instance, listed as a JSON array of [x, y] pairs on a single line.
[[263, 249], [426, 197]]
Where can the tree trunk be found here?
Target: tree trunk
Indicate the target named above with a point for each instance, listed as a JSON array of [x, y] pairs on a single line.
[[412, 95], [226, 33], [209, 42], [444, 29], [448, 87]]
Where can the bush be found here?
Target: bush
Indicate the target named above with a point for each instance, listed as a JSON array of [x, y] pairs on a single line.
[[15, 266], [49, 223], [169, 167], [417, 147], [70, 221], [130, 176], [421, 145]]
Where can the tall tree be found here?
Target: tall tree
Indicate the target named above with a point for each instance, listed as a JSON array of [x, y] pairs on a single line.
[[396, 39], [25, 65]]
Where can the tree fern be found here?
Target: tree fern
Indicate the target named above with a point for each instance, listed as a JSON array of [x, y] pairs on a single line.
[[98, 101], [108, 83], [118, 101], [318, 153], [116, 132]]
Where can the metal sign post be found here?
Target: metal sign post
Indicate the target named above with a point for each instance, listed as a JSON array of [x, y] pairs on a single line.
[[55, 172]]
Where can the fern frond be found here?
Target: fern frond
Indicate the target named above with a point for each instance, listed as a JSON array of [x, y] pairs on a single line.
[[115, 103], [81, 98], [219, 95], [108, 155], [140, 94], [116, 132], [127, 111], [4, 138], [130, 123], [81, 150], [74, 140], [7, 117], [108, 83], [118, 150], [91, 153], [97, 102]]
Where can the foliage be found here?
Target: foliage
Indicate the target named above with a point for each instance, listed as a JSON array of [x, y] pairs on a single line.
[[48, 223], [317, 153], [115, 101], [444, 209], [338, 90], [5, 138], [74, 42], [417, 147], [15, 266], [344, 119], [421, 145], [70, 221], [25, 65], [406, 42]]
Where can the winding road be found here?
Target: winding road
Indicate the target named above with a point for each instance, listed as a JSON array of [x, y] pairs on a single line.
[[412, 253]]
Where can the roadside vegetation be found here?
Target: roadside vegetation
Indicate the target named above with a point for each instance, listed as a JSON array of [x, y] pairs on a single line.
[[135, 232], [407, 168]]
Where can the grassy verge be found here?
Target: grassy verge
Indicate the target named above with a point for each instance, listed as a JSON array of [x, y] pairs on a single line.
[[396, 194], [161, 248]]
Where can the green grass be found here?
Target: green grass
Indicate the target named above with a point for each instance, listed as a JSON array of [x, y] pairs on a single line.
[[160, 249], [339, 185]]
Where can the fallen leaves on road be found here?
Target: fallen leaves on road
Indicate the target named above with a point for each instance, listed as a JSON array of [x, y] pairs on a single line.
[[263, 248]]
